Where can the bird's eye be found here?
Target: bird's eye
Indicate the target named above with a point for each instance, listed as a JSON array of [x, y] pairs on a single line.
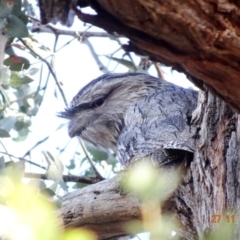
[[98, 103]]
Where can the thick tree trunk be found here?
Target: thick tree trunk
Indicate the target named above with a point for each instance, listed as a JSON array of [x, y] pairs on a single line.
[[102, 207], [200, 38], [210, 189], [212, 186], [105, 208]]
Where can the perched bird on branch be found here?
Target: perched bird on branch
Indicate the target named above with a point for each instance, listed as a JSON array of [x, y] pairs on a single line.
[[135, 116]]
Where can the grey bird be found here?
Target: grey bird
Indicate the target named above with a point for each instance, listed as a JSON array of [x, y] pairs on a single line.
[[135, 116]]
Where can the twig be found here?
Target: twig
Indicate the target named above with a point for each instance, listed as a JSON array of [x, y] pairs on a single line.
[[50, 69], [66, 178], [111, 24], [33, 18], [89, 159], [66, 44], [45, 87], [86, 34], [26, 96], [158, 69], [23, 159], [55, 42], [95, 56], [111, 55], [3, 42], [40, 81], [76, 35], [6, 151], [65, 101], [63, 149], [41, 141], [35, 145], [136, 236], [101, 66]]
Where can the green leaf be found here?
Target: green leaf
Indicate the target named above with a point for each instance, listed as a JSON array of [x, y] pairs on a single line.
[[7, 123], [5, 75], [72, 165], [54, 186], [17, 81], [33, 71], [37, 183], [23, 132], [1, 104], [4, 133], [112, 160], [89, 172], [96, 153], [124, 62], [2, 22], [55, 168], [22, 135], [10, 51], [15, 27], [5, 9], [79, 185], [58, 202], [22, 122], [6, 97], [37, 48], [24, 18], [20, 138], [16, 10], [48, 192], [15, 169], [2, 163], [17, 63]]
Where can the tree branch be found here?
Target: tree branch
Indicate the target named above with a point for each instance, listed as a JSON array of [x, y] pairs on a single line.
[[98, 175], [86, 34], [23, 159], [105, 208], [50, 69], [204, 50], [107, 220], [35, 145], [95, 56], [5, 149], [159, 70], [66, 178]]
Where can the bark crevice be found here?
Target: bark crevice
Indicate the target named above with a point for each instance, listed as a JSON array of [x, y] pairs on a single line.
[[210, 186]]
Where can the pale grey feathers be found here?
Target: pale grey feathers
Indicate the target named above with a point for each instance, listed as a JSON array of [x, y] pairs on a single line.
[[161, 121], [135, 116]]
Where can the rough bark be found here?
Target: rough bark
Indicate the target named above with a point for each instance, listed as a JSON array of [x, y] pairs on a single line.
[[102, 207], [200, 38], [210, 188]]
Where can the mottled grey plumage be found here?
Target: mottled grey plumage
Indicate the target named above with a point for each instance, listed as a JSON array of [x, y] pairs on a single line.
[[136, 116]]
